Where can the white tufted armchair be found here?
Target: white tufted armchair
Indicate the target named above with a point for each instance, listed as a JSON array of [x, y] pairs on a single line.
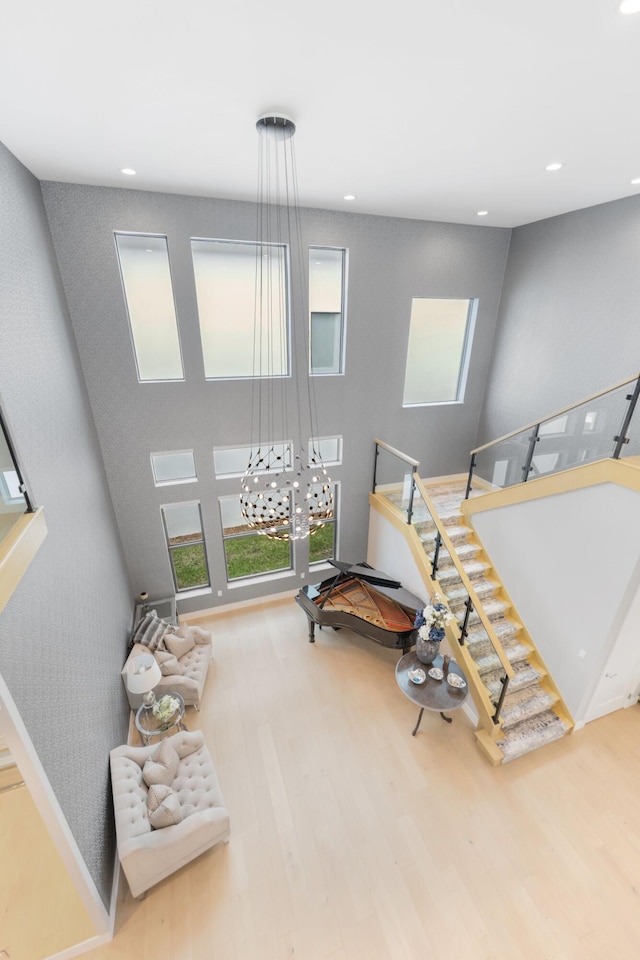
[[147, 855]]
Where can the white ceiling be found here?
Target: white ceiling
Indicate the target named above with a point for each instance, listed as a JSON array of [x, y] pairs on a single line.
[[432, 109]]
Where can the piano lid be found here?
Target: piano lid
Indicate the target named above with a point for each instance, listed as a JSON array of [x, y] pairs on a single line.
[[367, 573]]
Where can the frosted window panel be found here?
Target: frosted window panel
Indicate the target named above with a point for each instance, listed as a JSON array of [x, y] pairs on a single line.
[[178, 467], [233, 461], [182, 521], [234, 282], [328, 449], [146, 278], [439, 341], [325, 342], [326, 308]]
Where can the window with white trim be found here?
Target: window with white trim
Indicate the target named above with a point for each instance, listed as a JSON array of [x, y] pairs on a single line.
[[176, 466], [327, 302], [234, 279], [233, 461], [249, 554], [326, 449], [323, 544], [148, 293], [185, 542], [440, 337]]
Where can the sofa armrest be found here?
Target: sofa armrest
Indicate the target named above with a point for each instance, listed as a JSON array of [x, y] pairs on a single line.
[[200, 635]]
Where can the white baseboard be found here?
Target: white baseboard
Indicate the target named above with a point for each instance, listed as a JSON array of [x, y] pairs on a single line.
[[226, 607]]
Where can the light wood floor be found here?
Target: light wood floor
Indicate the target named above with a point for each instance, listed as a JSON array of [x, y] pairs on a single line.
[[40, 910], [352, 840]]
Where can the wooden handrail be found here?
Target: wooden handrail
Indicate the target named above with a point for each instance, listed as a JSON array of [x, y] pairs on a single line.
[[558, 413], [397, 453]]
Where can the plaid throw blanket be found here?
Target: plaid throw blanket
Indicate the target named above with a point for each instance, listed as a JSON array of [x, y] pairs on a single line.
[[150, 631]]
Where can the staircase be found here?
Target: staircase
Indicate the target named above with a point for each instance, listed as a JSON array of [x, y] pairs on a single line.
[[533, 713]]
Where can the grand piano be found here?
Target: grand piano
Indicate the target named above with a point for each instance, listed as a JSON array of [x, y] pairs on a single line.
[[366, 601]]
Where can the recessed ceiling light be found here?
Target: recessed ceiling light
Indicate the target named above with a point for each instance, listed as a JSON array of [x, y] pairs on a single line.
[[553, 166], [630, 6], [128, 171], [482, 213], [349, 196], [635, 180]]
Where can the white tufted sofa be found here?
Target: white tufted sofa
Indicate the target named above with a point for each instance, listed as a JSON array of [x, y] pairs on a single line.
[[194, 666], [147, 855]]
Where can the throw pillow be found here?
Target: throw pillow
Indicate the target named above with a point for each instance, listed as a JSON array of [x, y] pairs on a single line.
[[161, 766], [163, 806], [150, 631], [168, 663], [178, 646]]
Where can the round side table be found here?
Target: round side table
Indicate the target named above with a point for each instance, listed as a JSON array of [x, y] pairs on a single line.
[[150, 726], [433, 694]]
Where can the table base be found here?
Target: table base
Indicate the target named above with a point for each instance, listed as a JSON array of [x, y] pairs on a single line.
[[415, 729]]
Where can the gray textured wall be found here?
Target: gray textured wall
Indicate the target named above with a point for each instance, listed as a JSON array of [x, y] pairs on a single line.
[[63, 633], [390, 260], [570, 314]]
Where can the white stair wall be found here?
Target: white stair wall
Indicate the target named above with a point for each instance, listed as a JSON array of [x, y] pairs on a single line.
[[581, 548]]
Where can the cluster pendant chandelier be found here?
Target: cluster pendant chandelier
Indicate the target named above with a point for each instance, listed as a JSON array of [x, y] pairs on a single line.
[[286, 493]]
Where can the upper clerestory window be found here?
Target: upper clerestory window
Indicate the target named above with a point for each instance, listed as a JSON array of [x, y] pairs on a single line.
[[148, 292], [237, 283]]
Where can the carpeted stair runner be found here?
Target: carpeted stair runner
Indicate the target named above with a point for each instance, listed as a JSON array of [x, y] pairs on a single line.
[[528, 720]]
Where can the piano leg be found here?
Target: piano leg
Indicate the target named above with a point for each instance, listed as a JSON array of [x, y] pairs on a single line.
[[312, 627]]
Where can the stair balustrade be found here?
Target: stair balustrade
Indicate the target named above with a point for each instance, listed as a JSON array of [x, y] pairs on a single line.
[[595, 428], [404, 489]]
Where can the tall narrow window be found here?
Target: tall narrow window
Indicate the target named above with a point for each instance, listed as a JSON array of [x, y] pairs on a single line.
[[439, 349], [225, 274], [323, 544], [146, 278], [249, 554], [185, 540], [326, 309]]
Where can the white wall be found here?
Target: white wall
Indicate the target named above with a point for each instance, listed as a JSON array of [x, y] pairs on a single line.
[[568, 562], [388, 551], [619, 684]]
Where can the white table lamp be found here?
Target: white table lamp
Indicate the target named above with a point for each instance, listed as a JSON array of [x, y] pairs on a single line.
[[144, 675]]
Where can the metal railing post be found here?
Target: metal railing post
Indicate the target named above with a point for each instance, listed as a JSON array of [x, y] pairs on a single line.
[[622, 437], [472, 467], [375, 466], [434, 565], [411, 493], [505, 684], [533, 439], [465, 623]]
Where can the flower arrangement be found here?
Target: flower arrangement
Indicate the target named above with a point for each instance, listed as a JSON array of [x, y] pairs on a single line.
[[430, 621], [165, 708]]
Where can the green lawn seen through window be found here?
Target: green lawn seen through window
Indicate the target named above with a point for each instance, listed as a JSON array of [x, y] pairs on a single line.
[[190, 566], [254, 554], [321, 546]]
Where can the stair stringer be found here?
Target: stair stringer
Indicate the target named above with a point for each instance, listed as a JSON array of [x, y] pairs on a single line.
[[488, 731], [467, 507]]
